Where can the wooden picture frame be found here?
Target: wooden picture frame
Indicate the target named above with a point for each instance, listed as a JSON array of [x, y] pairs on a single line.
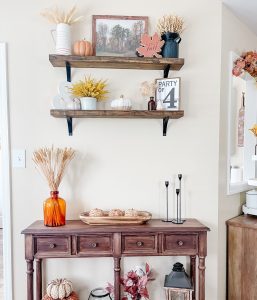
[[168, 92], [117, 35]]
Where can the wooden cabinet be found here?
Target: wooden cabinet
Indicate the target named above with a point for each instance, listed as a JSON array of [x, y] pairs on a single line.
[[76, 239], [242, 258]]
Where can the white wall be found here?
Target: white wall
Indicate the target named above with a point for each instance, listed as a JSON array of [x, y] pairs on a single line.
[[1, 198], [120, 163], [238, 38]]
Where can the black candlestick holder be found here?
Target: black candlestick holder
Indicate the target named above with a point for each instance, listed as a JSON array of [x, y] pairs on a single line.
[[167, 203], [178, 219]]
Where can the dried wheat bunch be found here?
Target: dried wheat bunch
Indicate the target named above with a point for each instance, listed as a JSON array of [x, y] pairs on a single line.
[[170, 23], [147, 88], [90, 87], [51, 163], [56, 16]]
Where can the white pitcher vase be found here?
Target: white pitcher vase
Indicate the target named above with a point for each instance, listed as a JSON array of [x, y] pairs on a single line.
[[62, 38]]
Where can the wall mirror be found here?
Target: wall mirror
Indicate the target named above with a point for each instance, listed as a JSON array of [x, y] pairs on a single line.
[[242, 115]]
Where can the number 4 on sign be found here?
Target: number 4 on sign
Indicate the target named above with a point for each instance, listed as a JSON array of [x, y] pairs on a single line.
[[170, 98]]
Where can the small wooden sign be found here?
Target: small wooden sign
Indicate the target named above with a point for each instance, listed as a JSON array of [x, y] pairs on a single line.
[[150, 46], [168, 92]]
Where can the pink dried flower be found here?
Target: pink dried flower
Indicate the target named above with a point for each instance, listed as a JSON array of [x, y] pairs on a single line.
[[110, 288], [248, 63], [135, 285], [237, 71], [240, 63]]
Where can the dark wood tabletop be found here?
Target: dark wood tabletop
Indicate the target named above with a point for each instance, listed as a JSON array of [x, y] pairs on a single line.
[[78, 226]]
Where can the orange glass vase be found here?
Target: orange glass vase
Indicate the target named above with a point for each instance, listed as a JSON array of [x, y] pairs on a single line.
[[54, 210]]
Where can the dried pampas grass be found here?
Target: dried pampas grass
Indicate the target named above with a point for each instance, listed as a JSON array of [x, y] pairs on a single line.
[[56, 16], [170, 23], [51, 163], [147, 89]]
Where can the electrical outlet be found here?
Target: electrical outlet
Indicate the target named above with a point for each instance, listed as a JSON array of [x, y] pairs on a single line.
[[19, 158]]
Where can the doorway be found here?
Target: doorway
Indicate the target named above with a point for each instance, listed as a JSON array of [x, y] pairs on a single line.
[[5, 183]]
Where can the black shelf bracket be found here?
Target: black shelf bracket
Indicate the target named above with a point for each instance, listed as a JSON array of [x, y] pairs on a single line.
[[69, 119], [68, 71], [166, 71], [69, 123], [165, 125]]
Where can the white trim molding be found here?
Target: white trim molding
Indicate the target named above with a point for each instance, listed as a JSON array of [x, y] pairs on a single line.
[[5, 191]]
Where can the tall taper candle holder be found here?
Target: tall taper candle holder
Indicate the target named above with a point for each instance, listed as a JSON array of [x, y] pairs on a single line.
[[178, 219], [180, 192], [167, 203]]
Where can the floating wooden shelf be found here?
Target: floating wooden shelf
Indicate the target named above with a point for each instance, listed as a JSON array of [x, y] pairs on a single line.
[[113, 62], [131, 114]]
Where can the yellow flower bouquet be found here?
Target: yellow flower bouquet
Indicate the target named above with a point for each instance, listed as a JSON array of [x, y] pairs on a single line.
[[90, 87]]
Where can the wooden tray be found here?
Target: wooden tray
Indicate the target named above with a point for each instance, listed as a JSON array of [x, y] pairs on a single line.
[[142, 218]]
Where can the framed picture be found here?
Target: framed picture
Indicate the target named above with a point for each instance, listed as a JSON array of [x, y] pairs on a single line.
[[168, 92], [117, 35]]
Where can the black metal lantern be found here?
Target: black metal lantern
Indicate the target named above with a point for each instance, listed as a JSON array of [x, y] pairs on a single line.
[[177, 284]]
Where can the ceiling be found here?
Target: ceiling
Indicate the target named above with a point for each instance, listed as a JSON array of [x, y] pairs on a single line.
[[246, 10]]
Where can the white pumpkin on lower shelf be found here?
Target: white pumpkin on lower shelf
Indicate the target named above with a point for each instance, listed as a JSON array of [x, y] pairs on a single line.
[[121, 104], [59, 288]]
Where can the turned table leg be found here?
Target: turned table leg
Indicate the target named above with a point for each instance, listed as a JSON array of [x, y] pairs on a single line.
[[116, 278], [201, 263], [201, 268], [192, 273], [38, 279], [30, 271]]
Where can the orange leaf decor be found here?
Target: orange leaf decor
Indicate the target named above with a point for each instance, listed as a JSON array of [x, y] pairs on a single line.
[[150, 46]]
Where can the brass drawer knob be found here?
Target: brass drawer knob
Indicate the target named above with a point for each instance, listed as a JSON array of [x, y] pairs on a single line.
[[180, 243], [93, 245], [139, 244], [52, 246]]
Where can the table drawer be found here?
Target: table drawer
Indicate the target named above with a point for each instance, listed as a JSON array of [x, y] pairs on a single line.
[[87, 244], [180, 243], [52, 245], [145, 244]]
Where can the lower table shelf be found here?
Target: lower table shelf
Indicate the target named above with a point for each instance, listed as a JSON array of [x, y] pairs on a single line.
[[165, 115]]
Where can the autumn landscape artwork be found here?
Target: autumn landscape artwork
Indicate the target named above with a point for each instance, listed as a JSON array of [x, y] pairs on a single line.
[[118, 35]]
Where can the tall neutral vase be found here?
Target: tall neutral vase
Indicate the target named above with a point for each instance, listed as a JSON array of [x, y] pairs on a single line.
[[54, 210], [171, 47], [62, 38]]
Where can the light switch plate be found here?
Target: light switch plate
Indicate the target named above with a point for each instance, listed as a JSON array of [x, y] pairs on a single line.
[[19, 158]]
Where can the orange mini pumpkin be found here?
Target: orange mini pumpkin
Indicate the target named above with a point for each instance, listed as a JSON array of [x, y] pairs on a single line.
[[83, 48]]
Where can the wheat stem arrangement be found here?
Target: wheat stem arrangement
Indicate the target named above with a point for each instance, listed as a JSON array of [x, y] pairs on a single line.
[[57, 16], [170, 23], [52, 163]]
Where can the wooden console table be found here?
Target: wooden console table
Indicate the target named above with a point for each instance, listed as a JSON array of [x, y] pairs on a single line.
[[77, 239]]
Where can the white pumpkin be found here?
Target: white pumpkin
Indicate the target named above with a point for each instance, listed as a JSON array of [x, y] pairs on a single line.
[[59, 288], [121, 103]]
